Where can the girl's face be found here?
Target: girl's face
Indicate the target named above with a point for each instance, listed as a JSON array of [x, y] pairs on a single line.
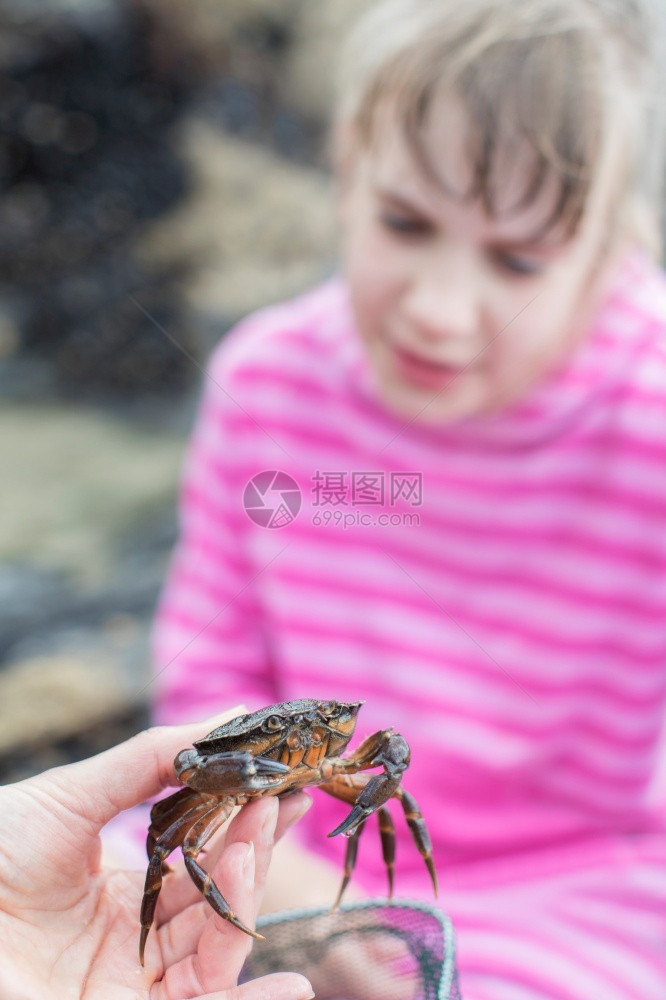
[[462, 313]]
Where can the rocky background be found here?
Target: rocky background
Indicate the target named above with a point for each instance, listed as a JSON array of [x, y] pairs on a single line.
[[163, 169]]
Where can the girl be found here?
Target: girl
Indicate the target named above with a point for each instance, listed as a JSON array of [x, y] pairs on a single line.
[[472, 418]]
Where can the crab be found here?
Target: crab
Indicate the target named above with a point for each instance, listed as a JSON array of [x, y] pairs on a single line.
[[277, 751]]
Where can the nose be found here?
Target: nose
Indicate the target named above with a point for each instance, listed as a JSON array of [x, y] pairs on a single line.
[[443, 302]]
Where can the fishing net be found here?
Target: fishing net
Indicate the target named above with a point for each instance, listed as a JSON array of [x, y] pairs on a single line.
[[368, 950]]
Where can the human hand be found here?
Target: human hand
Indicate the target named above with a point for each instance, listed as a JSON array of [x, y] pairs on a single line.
[[69, 928]]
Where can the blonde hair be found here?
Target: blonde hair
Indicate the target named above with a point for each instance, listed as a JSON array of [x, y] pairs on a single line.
[[550, 77]]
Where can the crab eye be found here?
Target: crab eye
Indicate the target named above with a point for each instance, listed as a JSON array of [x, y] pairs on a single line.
[[331, 709], [298, 719], [273, 722], [345, 715]]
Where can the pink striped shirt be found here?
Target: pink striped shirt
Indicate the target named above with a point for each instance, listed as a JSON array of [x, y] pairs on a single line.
[[495, 590]]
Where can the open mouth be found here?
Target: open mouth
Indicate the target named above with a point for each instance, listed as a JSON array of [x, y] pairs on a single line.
[[421, 371]]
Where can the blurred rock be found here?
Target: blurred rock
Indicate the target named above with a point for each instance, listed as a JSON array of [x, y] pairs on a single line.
[[311, 69], [258, 228], [229, 35], [9, 336], [57, 709], [163, 174], [87, 99], [53, 697], [74, 484], [45, 612]]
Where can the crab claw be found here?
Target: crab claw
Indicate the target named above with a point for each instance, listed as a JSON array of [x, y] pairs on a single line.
[[350, 825], [237, 771], [186, 760], [378, 790]]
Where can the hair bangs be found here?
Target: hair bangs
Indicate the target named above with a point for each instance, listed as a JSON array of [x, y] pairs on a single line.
[[533, 112]]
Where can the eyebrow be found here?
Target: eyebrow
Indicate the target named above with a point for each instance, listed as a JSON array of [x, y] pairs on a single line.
[[398, 200], [536, 240]]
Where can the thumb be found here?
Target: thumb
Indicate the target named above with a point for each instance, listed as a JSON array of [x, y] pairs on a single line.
[[102, 786]]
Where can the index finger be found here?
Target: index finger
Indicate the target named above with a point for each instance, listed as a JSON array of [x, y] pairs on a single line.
[[131, 772]]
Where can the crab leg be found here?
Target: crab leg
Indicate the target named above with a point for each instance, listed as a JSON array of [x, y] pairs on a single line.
[[373, 747], [190, 816], [166, 842], [419, 831], [202, 830], [386, 749], [350, 864], [368, 794], [165, 813], [387, 835]]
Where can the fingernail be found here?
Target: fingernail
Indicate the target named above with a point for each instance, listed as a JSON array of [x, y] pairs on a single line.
[[248, 868]]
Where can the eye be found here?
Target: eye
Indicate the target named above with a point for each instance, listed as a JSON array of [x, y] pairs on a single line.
[[403, 225], [521, 266], [330, 709], [273, 723], [345, 715]]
